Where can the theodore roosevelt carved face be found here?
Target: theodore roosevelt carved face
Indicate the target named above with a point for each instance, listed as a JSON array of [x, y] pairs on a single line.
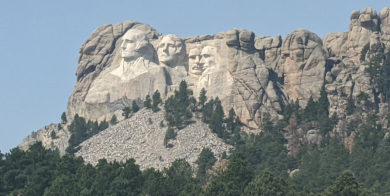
[[135, 44], [170, 51]]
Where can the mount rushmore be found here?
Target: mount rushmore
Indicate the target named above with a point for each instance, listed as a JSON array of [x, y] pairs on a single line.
[[128, 61], [257, 76]]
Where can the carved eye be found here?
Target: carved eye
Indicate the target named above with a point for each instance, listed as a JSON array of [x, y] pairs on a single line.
[[206, 55], [130, 41]]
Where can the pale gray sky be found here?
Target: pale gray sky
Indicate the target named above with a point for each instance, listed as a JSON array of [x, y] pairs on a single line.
[[39, 42]]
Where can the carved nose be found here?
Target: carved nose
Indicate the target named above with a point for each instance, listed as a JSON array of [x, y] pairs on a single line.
[[201, 61], [123, 46], [197, 60], [165, 48]]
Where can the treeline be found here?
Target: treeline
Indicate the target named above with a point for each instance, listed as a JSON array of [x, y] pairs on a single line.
[[40, 171], [81, 130]]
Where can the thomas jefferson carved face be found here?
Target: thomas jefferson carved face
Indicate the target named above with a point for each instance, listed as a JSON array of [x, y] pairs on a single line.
[[194, 57], [208, 60], [170, 50], [135, 44]]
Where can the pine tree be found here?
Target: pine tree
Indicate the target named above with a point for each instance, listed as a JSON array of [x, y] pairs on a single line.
[[323, 101], [345, 185], [178, 177], [135, 107], [169, 135], [216, 119], [53, 135], [231, 122], [202, 98], [267, 125], [310, 111], [205, 161], [126, 112], [79, 133], [162, 124], [64, 120], [103, 125], [193, 104], [113, 120], [156, 100], [148, 102], [350, 106], [267, 184], [386, 76], [378, 71], [183, 93], [234, 180], [207, 111], [290, 109], [177, 112], [364, 52]]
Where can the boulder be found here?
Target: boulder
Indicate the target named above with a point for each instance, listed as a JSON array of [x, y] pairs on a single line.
[[360, 30]]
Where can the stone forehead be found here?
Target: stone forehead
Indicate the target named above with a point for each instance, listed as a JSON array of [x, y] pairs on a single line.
[[138, 34], [194, 51], [209, 49], [173, 37]]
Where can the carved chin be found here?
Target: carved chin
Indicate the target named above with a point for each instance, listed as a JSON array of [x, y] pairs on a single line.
[[130, 55], [165, 59], [196, 72]]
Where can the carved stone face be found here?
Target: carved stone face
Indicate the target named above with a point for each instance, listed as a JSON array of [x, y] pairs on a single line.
[[194, 57], [169, 50], [208, 60], [135, 44]]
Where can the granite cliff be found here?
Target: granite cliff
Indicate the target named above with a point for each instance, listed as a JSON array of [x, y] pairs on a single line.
[[257, 76]]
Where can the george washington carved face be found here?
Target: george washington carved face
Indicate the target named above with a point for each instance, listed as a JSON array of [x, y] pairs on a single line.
[[135, 44]]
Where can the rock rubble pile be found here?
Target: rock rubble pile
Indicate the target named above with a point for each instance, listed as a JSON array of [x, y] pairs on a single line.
[[137, 138]]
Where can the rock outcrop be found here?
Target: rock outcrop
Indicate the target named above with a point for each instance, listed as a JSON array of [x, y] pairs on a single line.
[[304, 65], [44, 135], [100, 54], [363, 25], [254, 75], [384, 16], [257, 76]]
